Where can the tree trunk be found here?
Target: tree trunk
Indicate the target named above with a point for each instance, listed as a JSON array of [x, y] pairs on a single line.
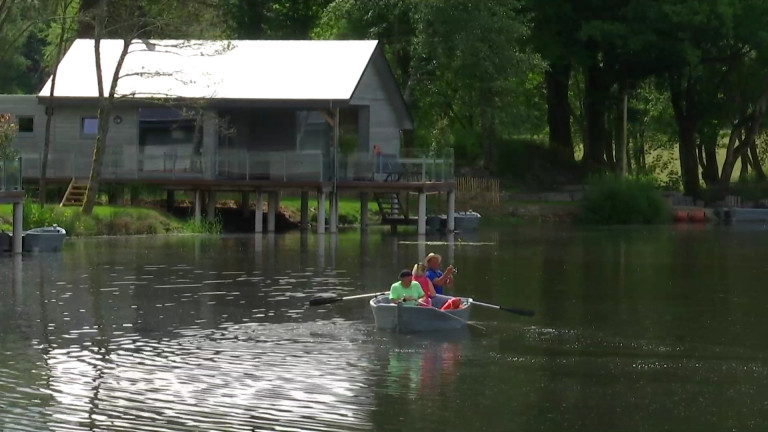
[[757, 167], [731, 154], [622, 149], [105, 106], [744, 169], [595, 95], [94, 181], [557, 79], [689, 166], [49, 107], [487, 136], [684, 106], [707, 154]]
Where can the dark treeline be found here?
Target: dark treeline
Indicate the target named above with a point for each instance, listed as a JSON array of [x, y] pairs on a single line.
[[676, 89]]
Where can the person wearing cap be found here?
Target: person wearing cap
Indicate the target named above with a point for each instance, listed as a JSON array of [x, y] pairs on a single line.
[[435, 275], [405, 291]]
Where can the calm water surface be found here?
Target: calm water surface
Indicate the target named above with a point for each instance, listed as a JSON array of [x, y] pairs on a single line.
[[639, 329]]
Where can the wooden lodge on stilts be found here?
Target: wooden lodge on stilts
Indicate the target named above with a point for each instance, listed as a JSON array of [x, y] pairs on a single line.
[[255, 117]]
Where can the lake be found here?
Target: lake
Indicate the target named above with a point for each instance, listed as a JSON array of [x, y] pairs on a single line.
[[636, 329]]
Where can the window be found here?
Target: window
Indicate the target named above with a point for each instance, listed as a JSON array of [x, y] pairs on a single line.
[[26, 124], [89, 126]]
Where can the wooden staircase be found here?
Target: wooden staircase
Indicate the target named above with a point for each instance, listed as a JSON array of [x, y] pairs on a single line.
[[75, 195], [391, 208]]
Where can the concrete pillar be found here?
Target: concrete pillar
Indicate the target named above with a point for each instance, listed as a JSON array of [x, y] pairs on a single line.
[[259, 218], [272, 205], [170, 200], [304, 224], [198, 206], [451, 249], [245, 201], [320, 212], [363, 211], [451, 227], [422, 221], [210, 208], [334, 209], [422, 247], [18, 218]]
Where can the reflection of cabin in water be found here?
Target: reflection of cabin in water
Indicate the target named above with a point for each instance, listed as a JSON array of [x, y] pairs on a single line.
[[248, 116]]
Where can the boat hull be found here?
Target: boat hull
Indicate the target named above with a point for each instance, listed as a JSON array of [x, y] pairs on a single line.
[[48, 239], [412, 319]]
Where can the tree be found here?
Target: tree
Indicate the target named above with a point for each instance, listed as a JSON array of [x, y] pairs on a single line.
[[128, 21], [457, 62], [59, 34]]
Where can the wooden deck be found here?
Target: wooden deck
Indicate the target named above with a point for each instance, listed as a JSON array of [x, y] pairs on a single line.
[[228, 185]]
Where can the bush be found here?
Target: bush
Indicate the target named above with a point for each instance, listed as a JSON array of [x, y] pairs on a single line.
[[610, 200]]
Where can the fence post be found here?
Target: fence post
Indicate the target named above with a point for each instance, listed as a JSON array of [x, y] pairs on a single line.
[[423, 168]]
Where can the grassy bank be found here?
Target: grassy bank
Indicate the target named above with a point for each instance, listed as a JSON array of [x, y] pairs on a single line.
[[105, 220]]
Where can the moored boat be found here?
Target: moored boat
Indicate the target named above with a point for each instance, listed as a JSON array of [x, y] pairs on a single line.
[[45, 239], [411, 319]]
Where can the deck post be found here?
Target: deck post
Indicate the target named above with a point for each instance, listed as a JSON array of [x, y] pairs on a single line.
[[259, 218], [321, 212], [198, 206], [363, 211], [334, 210], [304, 224], [245, 200], [170, 200], [274, 202], [422, 222], [451, 210], [210, 208], [18, 218]]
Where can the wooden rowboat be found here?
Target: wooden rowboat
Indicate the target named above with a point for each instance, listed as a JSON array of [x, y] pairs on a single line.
[[411, 319]]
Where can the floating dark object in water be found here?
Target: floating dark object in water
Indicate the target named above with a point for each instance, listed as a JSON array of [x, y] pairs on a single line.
[[463, 221]]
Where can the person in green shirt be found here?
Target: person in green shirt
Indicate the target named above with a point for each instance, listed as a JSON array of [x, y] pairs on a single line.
[[406, 291]]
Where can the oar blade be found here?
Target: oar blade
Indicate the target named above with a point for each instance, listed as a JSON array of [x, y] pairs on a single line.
[[324, 299], [518, 311]]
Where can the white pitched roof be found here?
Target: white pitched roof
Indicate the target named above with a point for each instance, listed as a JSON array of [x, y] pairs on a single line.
[[259, 70]]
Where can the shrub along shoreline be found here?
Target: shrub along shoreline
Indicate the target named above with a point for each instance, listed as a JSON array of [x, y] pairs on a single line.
[[105, 220]]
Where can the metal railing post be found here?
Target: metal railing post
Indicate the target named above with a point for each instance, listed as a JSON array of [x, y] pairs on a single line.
[[423, 168]]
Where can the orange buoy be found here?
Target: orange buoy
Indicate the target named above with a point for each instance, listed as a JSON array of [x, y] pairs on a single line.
[[679, 216], [697, 216]]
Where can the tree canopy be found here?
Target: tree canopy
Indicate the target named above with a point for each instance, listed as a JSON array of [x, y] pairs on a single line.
[[604, 85]]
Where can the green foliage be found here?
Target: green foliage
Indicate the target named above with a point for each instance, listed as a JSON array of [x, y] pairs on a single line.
[[203, 227], [610, 200], [8, 131], [111, 221]]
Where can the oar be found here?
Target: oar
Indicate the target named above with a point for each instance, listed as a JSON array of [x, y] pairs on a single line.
[[324, 299], [460, 319], [524, 312]]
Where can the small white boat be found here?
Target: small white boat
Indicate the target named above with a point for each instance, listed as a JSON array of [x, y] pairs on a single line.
[[46, 239], [411, 319]]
